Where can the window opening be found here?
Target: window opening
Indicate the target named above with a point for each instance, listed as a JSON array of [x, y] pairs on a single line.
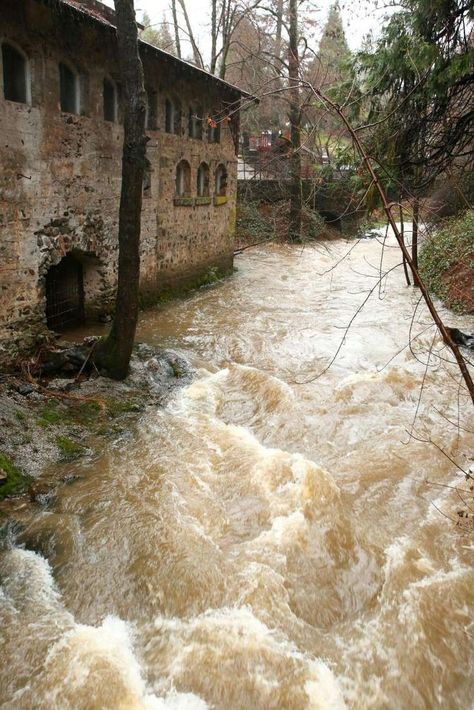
[[151, 119], [110, 101], [183, 179], [15, 74], [195, 122], [213, 130], [172, 116], [221, 181], [203, 180], [68, 89], [147, 179]]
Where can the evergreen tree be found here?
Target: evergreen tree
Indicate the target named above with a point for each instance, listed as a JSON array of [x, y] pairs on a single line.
[[334, 54], [157, 35]]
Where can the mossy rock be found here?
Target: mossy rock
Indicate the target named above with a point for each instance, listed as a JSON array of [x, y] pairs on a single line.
[[12, 479]]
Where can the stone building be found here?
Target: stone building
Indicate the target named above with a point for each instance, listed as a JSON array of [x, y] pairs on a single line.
[[60, 168]]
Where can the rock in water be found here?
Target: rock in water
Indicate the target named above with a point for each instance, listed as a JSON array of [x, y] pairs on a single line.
[[461, 338]]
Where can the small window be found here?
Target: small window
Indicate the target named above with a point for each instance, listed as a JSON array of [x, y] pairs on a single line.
[[110, 101], [183, 179], [221, 180], [172, 116], [15, 75], [147, 179], [195, 122], [68, 89], [213, 130], [203, 180], [151, 120]]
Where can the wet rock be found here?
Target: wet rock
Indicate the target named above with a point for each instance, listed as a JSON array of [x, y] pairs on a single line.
[[41, 492], [461, 338], [76, 356], [54, 361], [90, 340], [25, 389], [105, 318]]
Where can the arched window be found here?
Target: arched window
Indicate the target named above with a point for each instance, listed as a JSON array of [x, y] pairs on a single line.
[[147, 179], [69, 97], [203, 180], [221, 180], [151, 119], [195, 122], [183, 179], [172, 116], [213, 130], [110, 100], [16, 84]]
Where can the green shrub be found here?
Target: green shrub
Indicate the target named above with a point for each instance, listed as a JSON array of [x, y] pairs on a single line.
[[252, 222], [15, 480], [447, 262]]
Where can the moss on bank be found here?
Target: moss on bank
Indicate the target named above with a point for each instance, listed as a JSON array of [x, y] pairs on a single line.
[[447, 263], [15, 480]]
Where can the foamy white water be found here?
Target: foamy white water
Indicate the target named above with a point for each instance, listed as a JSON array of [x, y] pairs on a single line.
[[269, 539]]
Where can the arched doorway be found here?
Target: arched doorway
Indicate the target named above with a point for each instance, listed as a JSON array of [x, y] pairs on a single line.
[[65, 294]]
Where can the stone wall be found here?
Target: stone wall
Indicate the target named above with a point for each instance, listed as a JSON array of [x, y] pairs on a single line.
[[61, 172]]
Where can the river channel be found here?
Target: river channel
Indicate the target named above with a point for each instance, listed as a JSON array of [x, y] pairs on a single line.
[[274, 537]]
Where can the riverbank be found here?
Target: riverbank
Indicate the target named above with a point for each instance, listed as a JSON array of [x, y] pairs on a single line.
[[48, 424], [447, 262]]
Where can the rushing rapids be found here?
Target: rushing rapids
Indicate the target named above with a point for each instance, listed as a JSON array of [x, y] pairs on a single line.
[[273, 537]]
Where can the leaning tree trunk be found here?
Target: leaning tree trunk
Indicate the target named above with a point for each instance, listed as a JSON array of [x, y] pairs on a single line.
[[294, 115], [176, 28], [115, 352]]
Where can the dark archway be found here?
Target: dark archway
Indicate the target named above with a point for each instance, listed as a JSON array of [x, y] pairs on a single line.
[[332, 219], [65, 294]]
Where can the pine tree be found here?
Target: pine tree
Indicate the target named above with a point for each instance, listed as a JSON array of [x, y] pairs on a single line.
[[158, 35], [334, 53]]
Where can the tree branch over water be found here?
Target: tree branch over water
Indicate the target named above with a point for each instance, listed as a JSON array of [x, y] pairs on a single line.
[[405, 252]]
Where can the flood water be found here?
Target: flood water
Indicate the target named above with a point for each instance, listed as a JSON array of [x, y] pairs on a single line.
[[271, 538]]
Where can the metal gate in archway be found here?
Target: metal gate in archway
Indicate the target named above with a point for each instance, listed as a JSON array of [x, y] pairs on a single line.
[[65, 294]]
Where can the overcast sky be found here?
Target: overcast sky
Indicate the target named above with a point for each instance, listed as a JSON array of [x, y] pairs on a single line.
[[359, 17]]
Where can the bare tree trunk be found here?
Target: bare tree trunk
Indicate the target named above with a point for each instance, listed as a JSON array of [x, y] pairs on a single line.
[[212, 68], [414, 238], [176, 28], [294, 115], [226, 22], [402, 235], [279, 29], [196, 53], [115, 352]]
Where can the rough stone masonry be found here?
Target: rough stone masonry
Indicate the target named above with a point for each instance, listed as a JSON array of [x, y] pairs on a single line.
[[60, 168]]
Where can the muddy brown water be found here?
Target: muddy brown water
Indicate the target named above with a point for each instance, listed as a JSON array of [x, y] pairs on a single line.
[[262, 543]]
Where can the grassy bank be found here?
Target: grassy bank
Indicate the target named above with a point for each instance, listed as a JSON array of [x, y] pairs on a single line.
[[447, 262], [49, 424]]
